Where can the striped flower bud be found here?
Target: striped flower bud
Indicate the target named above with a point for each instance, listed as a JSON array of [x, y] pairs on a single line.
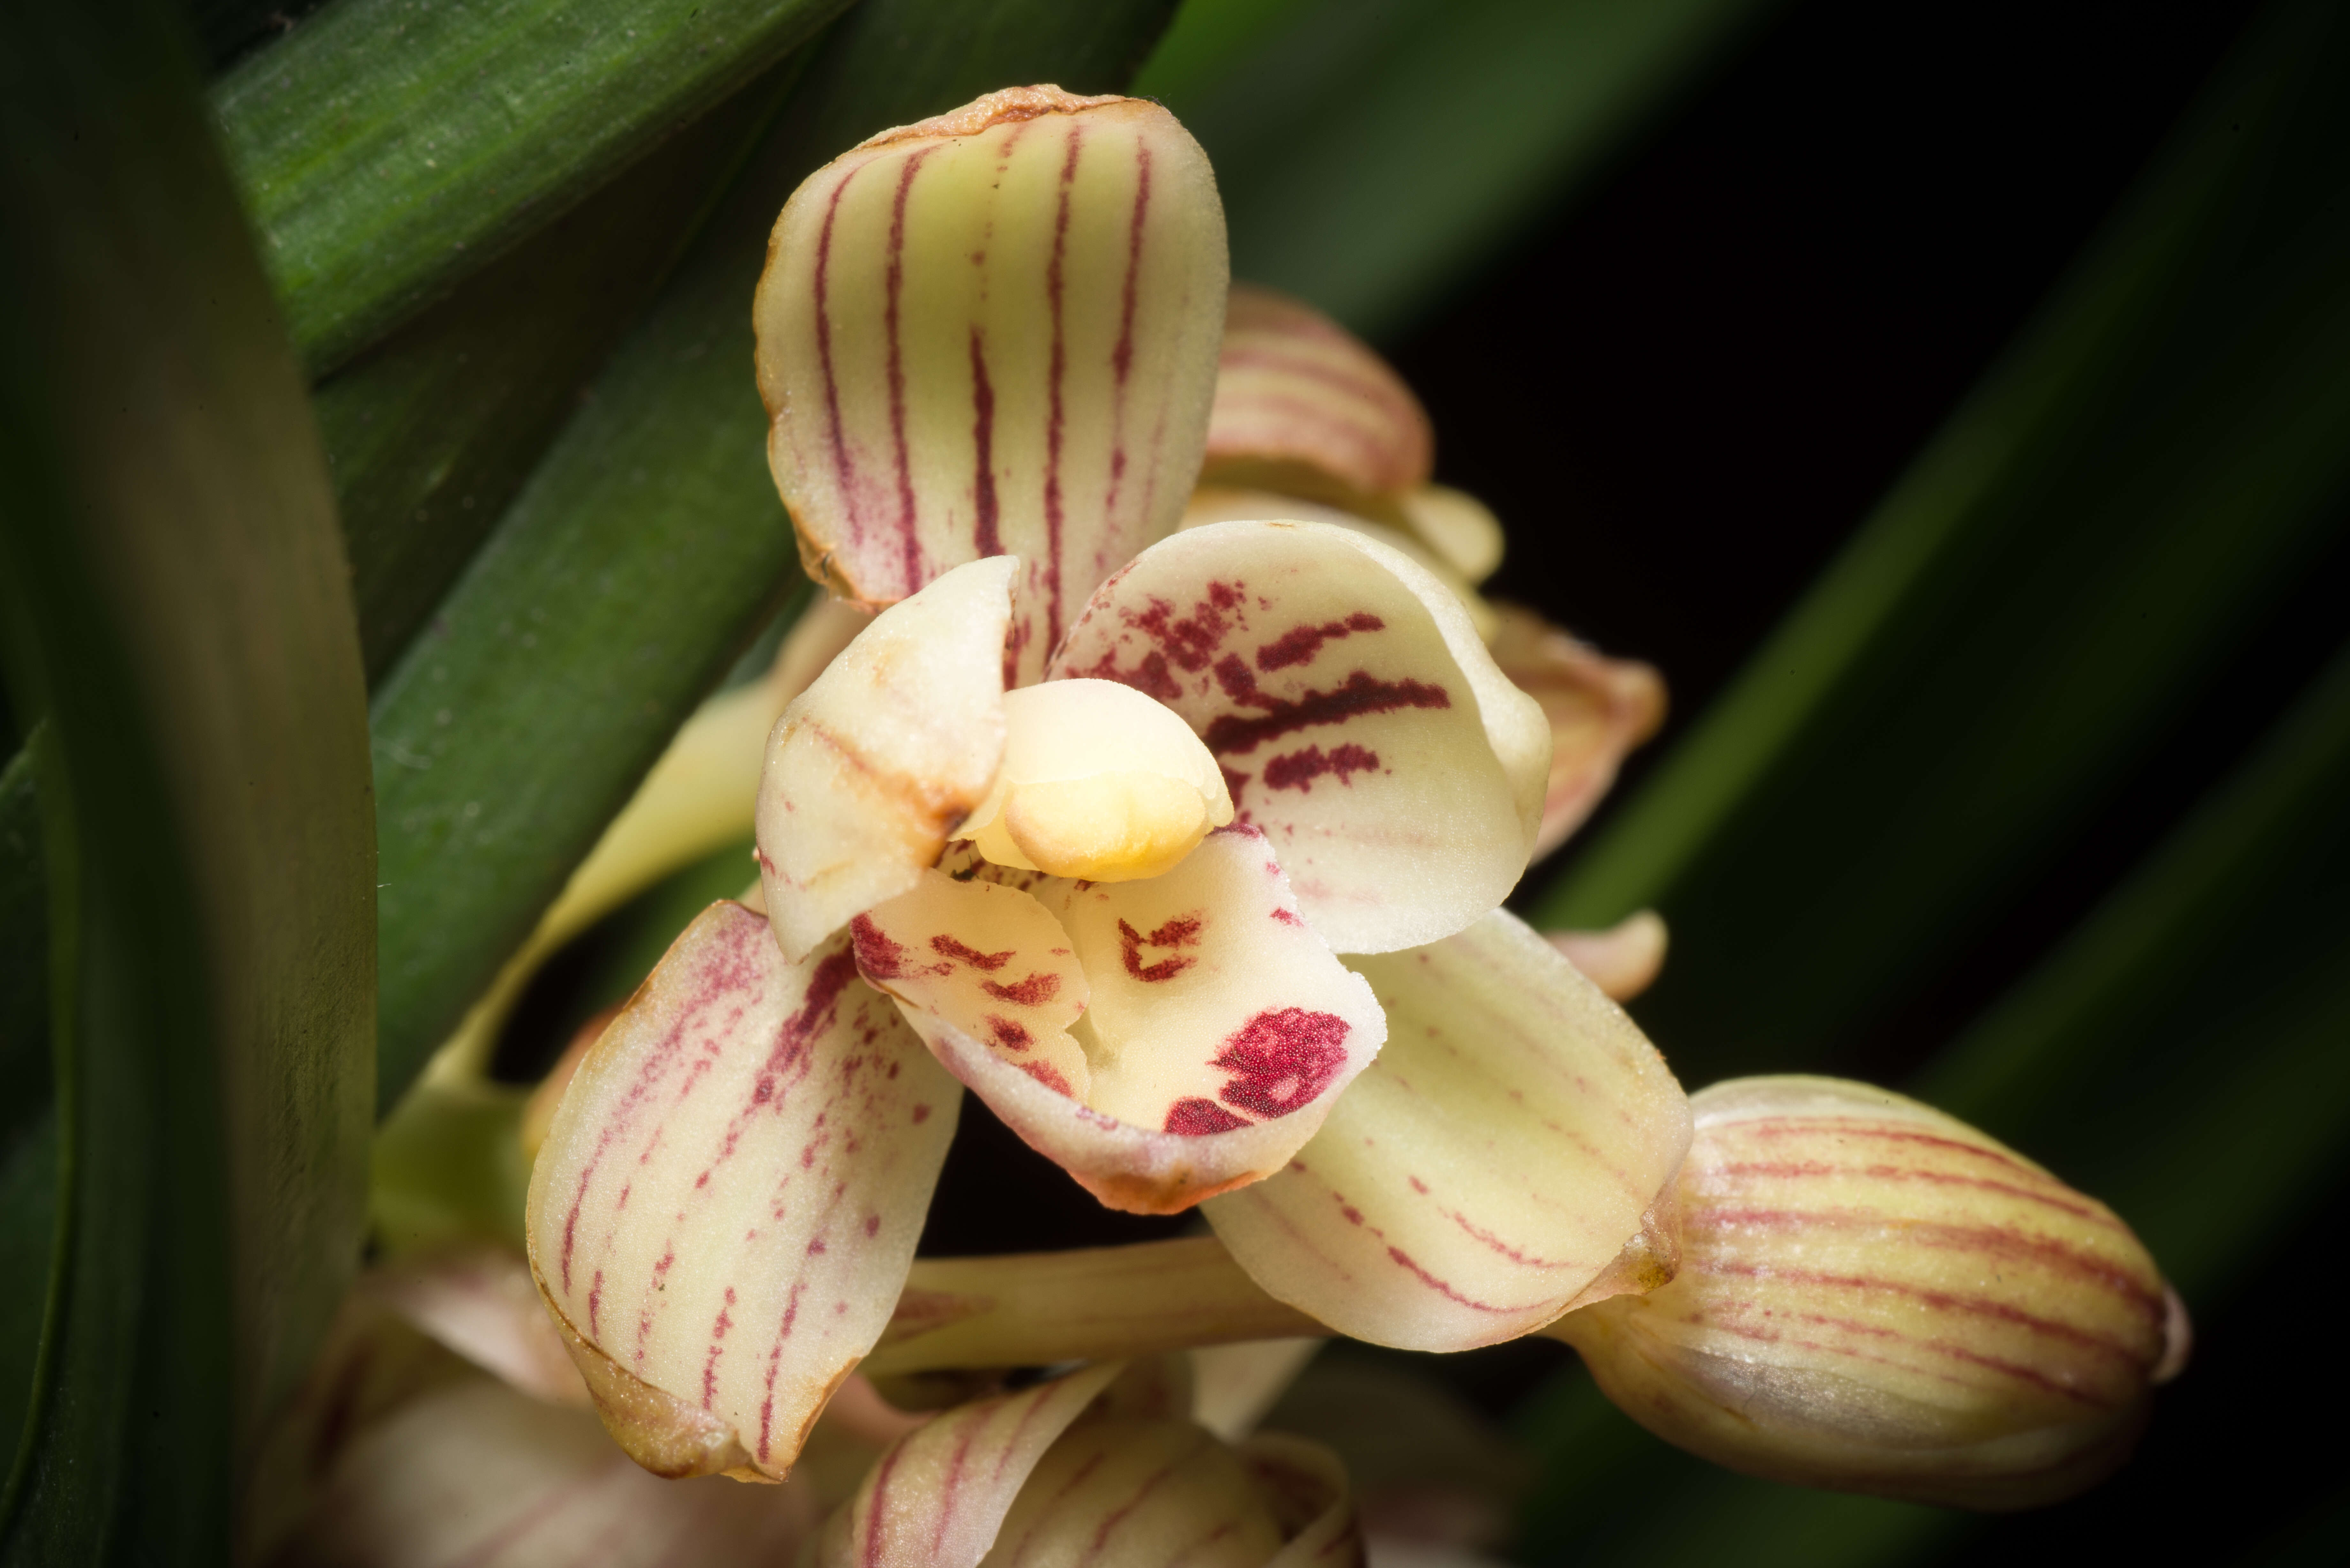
[[1305, 407], [994, 333], [1874, 1297]]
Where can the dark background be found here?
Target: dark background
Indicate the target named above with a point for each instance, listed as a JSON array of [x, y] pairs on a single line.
[[1684, 389]]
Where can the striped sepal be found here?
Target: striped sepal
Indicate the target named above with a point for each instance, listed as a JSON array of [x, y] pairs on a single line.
[[995, 332]]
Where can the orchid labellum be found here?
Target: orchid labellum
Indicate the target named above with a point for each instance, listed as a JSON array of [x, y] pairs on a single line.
[[1154, 846]]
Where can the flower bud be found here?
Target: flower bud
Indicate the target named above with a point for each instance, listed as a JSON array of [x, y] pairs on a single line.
[[1874, 1297], [1305, 408]]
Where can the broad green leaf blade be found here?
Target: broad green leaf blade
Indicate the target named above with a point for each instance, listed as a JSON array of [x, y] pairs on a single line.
[[178, 609], [2181, 1054], [28, 1127], [389, 148], [2083, 546], [25, 1085], [433, 431], [649, 544], [1372, 155]]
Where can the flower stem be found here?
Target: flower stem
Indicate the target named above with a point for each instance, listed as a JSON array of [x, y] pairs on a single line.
[[1037, 1308]]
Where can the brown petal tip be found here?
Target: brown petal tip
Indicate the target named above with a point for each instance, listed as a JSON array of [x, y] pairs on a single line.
[[661, 1432], [1002, 106]]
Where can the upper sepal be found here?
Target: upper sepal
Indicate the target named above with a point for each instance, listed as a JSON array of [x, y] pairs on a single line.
[[995, 332]]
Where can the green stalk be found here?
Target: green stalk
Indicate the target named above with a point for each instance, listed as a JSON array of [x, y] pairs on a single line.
[[388, 149], [2098, 528], [179, 614], [650, 545]]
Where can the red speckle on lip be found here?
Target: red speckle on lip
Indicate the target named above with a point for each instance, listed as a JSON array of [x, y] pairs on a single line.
[[1298, 770], [1010, 1035], [1183, 931], [1197, 1119], [1033, 991], [1049, 1077], [948, 947], [1300, 644], [877, 955], [1286, 918], [1280, 1061]]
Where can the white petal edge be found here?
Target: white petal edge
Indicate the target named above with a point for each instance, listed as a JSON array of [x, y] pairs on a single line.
[[884, 754]]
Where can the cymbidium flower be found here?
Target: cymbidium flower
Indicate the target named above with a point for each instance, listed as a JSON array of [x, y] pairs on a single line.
[[1087, 829]]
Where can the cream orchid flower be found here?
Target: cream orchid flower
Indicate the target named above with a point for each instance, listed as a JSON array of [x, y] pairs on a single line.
[[1087, 831]]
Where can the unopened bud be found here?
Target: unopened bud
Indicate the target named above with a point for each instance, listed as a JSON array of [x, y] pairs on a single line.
[[1874, 1297], [1305, 408]]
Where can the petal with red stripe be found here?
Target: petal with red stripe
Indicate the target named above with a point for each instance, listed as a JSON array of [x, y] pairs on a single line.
[[1302, 404], [937, 1496], [988, 961], [995, 332], [1505, 1148], [727, 1204], [1359, 721]]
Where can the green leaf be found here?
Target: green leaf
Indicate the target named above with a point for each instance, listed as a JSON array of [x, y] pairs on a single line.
[[1371, 156], [178, 612], [28, 1128], [650, 545], [2106, 519], [2181, 1055], [432, 432], [389, 148], [25, 1085]]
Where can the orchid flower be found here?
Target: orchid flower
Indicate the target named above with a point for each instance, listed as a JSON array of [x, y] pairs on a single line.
[[1085, 823]]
